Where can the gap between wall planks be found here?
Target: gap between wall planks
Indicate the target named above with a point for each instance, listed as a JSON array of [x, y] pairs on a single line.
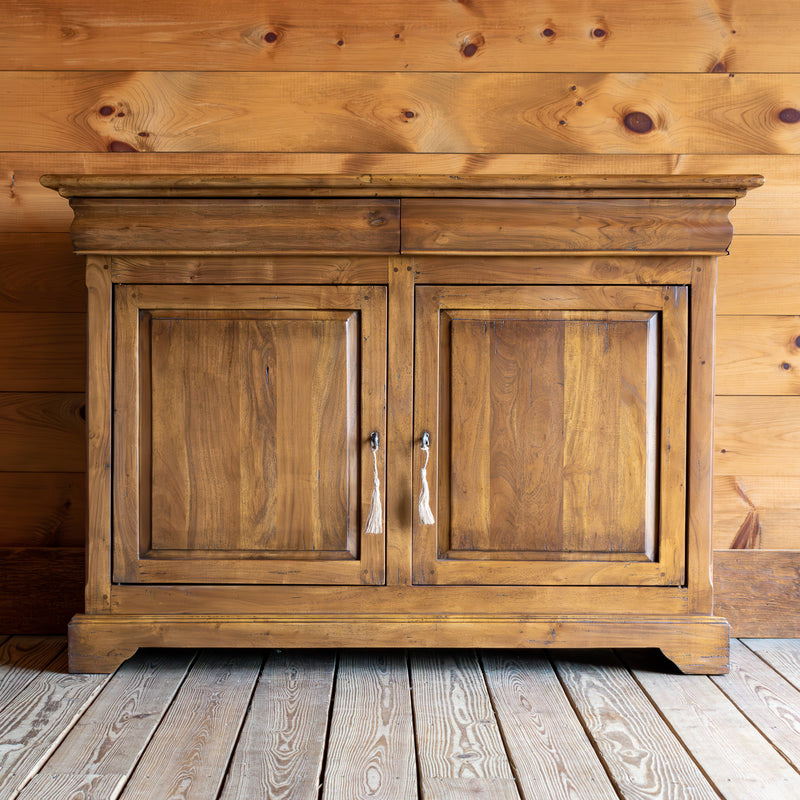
[[508, 35], [392, 725]]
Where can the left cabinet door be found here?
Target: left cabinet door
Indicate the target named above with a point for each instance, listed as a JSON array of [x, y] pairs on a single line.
[[242, 417]]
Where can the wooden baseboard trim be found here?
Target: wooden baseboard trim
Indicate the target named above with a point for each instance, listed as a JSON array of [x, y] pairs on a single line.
[[41, 588], [758, 592]]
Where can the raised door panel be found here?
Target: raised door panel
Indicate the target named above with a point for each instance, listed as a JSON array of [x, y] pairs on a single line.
[[558, 418], [242, 426]]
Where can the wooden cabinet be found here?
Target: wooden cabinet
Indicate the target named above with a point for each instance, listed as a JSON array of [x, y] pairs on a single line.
[[268, 355]]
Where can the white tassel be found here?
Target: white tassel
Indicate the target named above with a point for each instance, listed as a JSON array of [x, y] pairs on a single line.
[[425, 513], [375, 516]]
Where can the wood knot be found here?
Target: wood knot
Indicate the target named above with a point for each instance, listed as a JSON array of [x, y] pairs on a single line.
[[720, 66], [638, 122], [789, 115], [786, 365], [106, 111], [340, 43], [599, 33], [375, 219], [409, 114], [271, 37], [548, 32], [469, 50]]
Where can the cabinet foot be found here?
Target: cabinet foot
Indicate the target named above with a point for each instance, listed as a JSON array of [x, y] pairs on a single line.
[[91, 651]]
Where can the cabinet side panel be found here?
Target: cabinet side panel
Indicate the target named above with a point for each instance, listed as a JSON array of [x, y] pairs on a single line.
[[701, 433], [98, 424]]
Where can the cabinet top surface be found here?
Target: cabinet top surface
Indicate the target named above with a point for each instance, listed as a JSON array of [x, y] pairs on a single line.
[[367, 185]]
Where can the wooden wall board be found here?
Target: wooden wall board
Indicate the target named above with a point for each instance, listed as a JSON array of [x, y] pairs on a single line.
[[42, 509], [511, 112], [759, 276], [415, 35], [42, 588], [757, 436], [42, 432], [753, 512], [388, 59], [758, 592], [40, 273], [42, 351], [758, 355]]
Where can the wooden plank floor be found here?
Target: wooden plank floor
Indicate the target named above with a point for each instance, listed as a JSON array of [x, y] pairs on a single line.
[[435, 725]]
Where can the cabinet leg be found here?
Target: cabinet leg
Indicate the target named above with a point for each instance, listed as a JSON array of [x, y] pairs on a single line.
[[703, 651], [91, 651]]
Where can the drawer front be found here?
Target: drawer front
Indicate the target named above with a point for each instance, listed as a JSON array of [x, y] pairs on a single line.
[[556, 225], [144, 225]]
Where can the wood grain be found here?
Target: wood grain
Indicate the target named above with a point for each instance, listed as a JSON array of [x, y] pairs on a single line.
[[371, 750], [758, 355], [783, 655], [734, 756], [470, 340], [768, 701], [42, 432], [556, 225], [390, 111], [756, 512], [42, 352], [98, 436], [34, 721], [344, 269], [759, 276], [202, 488], [553, 757], [642, 755], [42, 509], [28, 206], [29, 603], [187, 755], [459, 746], [281, 749], [332, 226], [40, 273], [416, 36], [22, 658], [757, 436], [106, 743], [758, 592]]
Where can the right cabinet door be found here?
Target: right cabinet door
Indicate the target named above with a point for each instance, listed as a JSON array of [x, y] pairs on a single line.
[[557, 418]]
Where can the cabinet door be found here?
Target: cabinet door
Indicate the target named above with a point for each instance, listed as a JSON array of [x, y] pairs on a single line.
[[241, 433], [557, 417]]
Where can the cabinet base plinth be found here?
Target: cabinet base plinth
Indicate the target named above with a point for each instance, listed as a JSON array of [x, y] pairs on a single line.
[[101, 642]]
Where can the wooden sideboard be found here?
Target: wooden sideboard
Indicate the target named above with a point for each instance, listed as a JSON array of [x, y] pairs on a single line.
[[274, 359]]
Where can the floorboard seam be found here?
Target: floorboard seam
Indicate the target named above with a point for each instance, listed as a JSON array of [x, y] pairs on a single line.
[[226, 774], [326, 749], [499, 723], [614, 785], [669, 725]]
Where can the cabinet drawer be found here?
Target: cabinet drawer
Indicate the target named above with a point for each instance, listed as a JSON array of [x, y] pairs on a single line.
[[673, 225], [241, 225]]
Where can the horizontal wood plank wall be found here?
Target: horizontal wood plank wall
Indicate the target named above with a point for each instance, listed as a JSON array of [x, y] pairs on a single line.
[[682, 86]]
